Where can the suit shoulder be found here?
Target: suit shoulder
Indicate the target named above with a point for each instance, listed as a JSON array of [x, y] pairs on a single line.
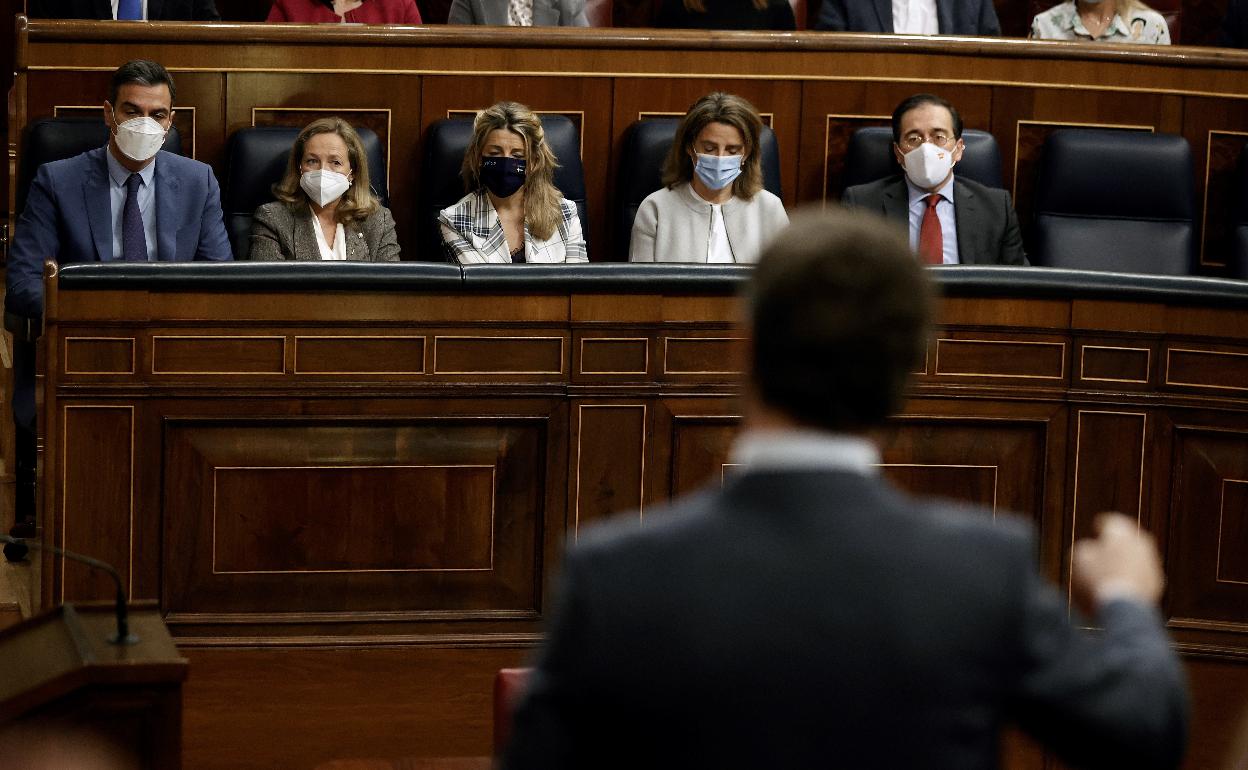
[[983, 190], [875, 189], [183, 164], [75, 166], [974, 526], [663, 526]]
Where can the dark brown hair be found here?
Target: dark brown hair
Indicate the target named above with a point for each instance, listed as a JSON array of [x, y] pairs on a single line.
[[840, 310], [730, 110]]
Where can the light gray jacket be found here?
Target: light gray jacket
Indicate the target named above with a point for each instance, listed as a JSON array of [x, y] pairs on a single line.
[[546, 13], [279, 233], [674, 225]]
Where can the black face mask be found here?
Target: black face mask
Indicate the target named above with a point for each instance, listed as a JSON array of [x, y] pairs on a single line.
[[502, 176]]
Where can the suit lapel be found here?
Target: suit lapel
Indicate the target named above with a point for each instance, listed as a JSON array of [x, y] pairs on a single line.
[[897, 202], [495, 13], [99, 207], [884, 11], [544, 14], [168, 204], [306, 247], [966, 214], [357, 244]]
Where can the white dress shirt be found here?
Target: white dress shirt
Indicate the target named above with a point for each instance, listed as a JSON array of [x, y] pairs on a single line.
[[804, 449], [915, 17], [718, 250], [944, 212], [339, 249]]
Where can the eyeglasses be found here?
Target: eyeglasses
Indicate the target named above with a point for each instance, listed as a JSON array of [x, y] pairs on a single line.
[[938, 138]]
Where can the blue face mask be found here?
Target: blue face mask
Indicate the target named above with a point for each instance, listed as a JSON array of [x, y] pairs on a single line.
[[502, 176], [718, 171]]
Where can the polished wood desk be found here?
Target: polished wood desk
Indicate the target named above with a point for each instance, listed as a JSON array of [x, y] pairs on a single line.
[[348, 486], [813, 88]]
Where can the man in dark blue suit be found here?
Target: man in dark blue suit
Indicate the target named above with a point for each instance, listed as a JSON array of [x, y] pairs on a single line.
[[805, 613], [127, 201], [929, 17]]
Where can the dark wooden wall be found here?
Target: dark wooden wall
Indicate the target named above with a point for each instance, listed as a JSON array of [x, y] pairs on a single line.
[[814, 89], [351, 504]]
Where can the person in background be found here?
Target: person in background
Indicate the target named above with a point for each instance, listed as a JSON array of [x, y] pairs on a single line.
[[124, 10], [910, 17], [951, 220], [1102, 21], [325, 208], [353, 11], [712, 207], [726, 14], [803, 612], [519, 13], [513, 212]]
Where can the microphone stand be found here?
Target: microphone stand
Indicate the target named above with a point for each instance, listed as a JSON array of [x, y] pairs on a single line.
[[16, 549]]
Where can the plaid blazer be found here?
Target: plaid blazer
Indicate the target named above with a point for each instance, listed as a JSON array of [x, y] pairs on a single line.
[[472, 234]]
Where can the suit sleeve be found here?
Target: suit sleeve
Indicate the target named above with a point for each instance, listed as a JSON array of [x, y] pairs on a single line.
[[1011, 251], [277, 12], [832, 16], [573, 237], [411, 13], [458, 248], [989, 25], [387, 249], [849, 198], [214, 244], [545, 726], [645, 230], [1114, 699], [782, 16], [36, 239], [266, 244], [461, 13]]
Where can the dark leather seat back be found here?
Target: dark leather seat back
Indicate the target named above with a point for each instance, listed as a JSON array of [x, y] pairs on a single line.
[[1239, 235], [441, 185], [52, 139], [256, 160], [1115, 200], [870, 157], [645, 148]]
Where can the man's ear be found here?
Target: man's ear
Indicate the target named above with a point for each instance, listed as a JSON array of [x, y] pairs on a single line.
[[958, 149], [899, 156], [108, 116]]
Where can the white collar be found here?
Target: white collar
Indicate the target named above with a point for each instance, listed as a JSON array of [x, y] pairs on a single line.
[[917, 194], [804, 449]]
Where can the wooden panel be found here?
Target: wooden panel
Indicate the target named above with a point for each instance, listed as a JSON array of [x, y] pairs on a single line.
[[1207, 561], [700, 451], [292, 519], [1114, 363], [98, 496], [99, 355], [333, 517], [610, 461], [703, 355], [1021, 359], [498, 355], [1219, 369], [1109, 462], [614, 355], [359, 355], [218, 355]]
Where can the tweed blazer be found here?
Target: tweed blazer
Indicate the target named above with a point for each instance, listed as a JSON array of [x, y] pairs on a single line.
[[278, 233], [546, 13]]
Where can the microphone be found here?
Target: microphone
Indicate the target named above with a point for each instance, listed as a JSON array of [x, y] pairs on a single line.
[[16, 549]]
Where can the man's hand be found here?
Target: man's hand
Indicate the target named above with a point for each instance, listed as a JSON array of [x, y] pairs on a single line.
[[1121, 562]]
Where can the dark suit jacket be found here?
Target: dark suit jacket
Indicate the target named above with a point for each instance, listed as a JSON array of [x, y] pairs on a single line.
[[546, 13], [278, 233], [68, 218], [955, 17], [1235, 26], [987, 225], [802, 619], [727, 14], [157, 10]]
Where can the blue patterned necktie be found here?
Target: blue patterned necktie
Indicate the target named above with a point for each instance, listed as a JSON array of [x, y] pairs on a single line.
[[129, 10], [133, 239]]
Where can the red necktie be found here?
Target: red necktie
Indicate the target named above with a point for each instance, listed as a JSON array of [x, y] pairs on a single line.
[[931, 239]]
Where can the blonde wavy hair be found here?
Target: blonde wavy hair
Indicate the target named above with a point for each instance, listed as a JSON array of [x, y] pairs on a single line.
[[718, 107], [358, 202], [541, 198]]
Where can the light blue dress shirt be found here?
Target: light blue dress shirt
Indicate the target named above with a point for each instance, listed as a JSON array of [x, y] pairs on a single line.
[[117, 176], [944, 212]]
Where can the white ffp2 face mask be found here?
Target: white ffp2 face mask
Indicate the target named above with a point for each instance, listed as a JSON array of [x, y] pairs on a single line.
[[324, 186], [927, 165], [140, 138]]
